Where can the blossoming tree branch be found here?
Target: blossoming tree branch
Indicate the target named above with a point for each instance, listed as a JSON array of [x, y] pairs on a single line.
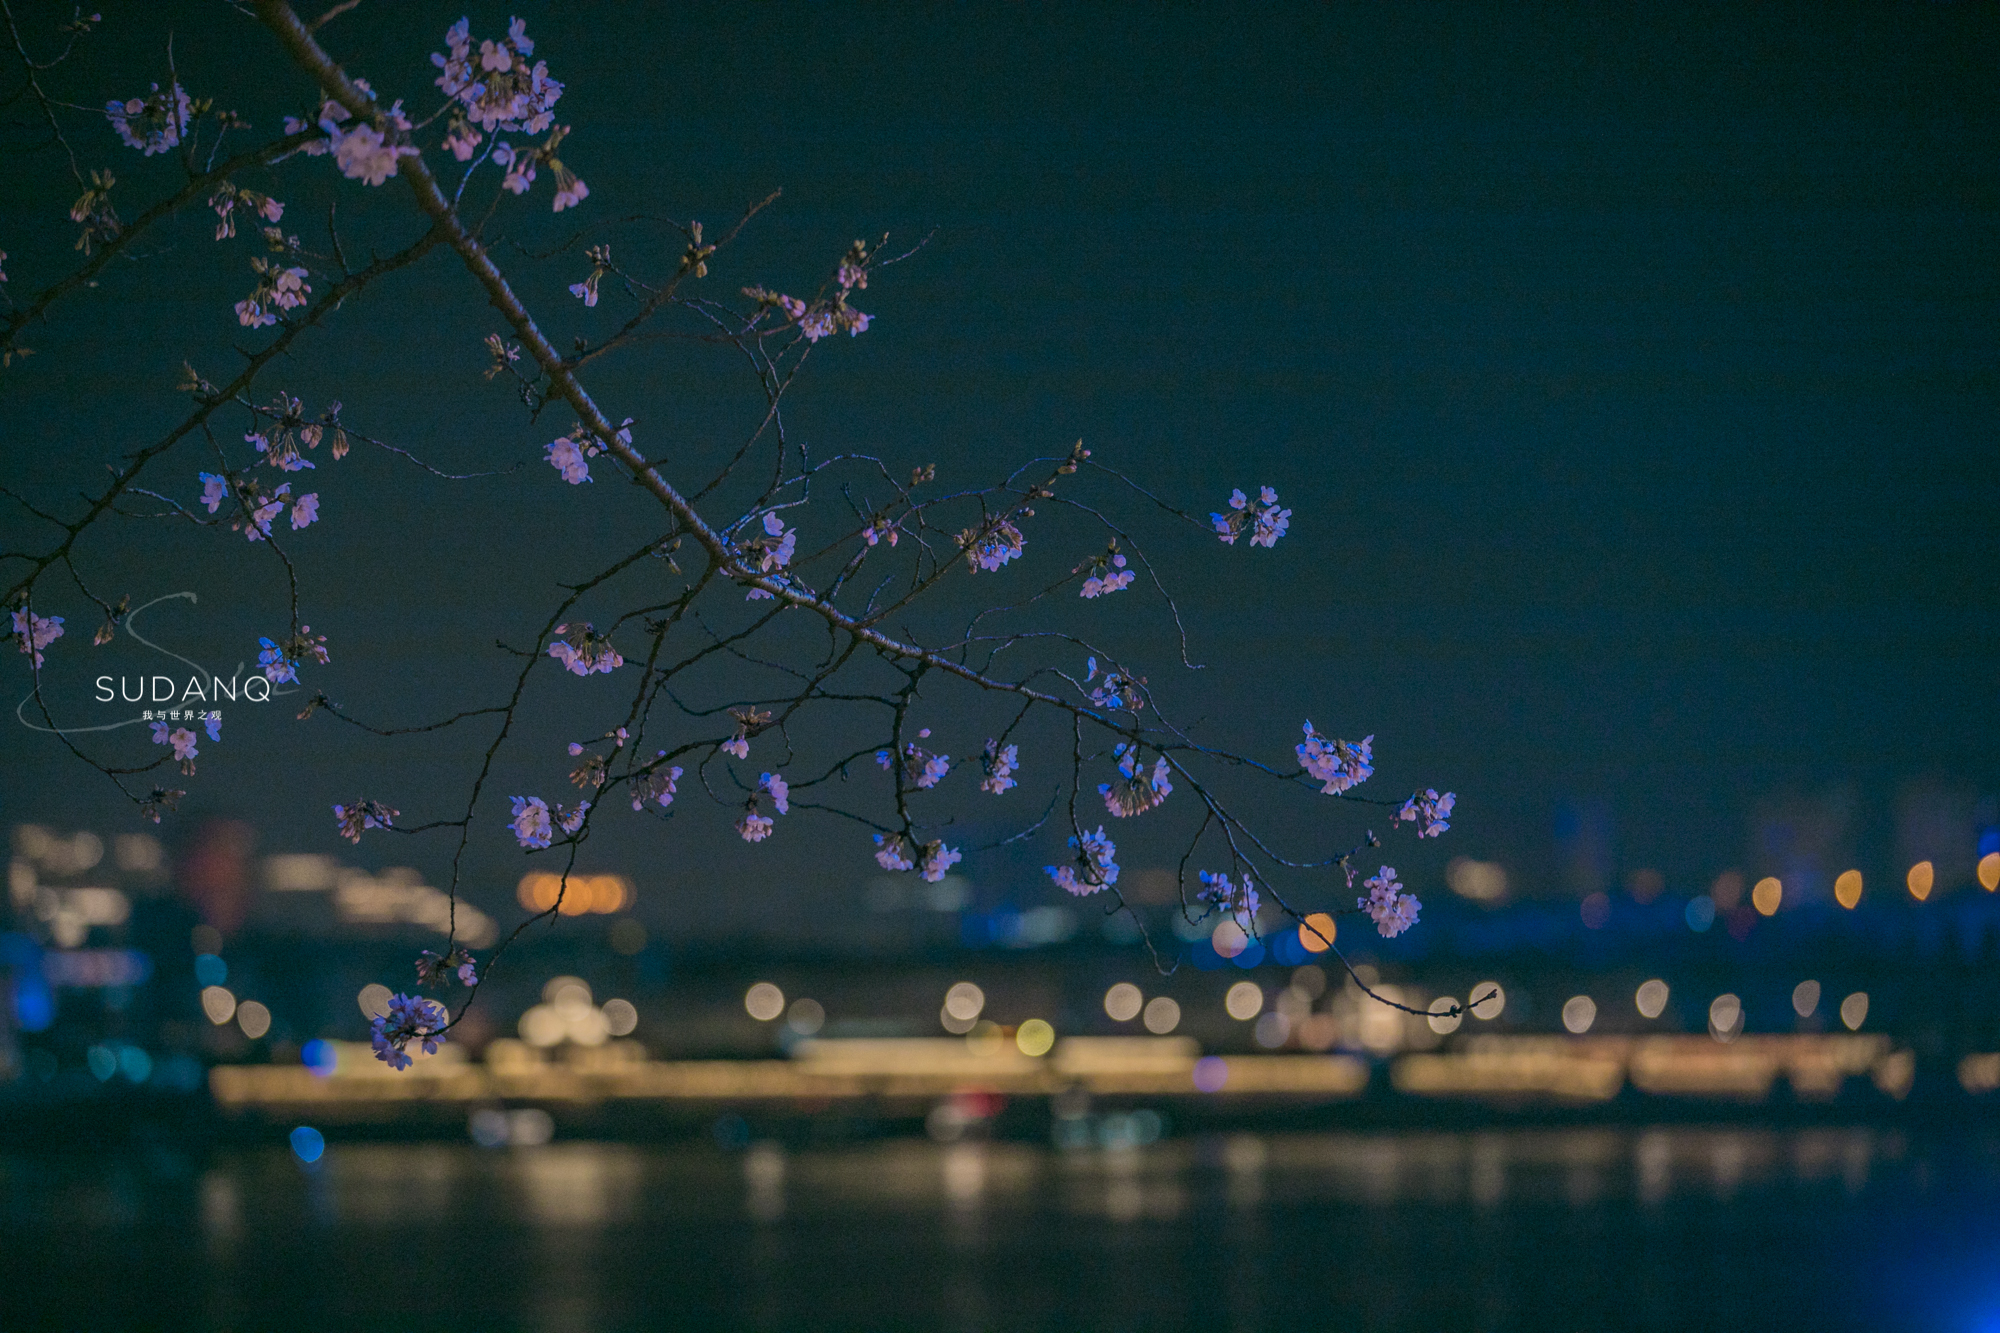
[[779, 598]]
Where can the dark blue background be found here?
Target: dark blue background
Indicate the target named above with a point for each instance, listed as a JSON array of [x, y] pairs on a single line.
[[1631, 374]]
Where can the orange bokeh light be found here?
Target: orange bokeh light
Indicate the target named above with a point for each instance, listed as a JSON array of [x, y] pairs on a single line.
[[602, 894], [1920, 879], [1316, 933], [607, 894], [1847, 888]]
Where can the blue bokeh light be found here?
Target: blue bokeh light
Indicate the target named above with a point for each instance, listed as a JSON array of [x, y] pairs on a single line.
[[1287, 950], [34, 1004], [319, 1056], [308, 1143]]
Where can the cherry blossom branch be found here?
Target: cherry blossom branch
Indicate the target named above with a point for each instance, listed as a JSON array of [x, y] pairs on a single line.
[[693, 259], [31, 69], [104, 503], [207, 405], [717, 670], [111, 249]]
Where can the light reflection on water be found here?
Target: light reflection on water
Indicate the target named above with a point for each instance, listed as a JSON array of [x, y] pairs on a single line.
[[1650, 1228]]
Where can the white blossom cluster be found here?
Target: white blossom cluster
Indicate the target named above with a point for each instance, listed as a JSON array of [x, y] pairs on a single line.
[[1265, 521]]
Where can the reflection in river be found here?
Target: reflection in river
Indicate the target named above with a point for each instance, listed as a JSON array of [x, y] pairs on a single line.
[[1591, 1228]]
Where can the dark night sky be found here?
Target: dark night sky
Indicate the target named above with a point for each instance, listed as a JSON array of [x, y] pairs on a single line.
[[1631, 374]]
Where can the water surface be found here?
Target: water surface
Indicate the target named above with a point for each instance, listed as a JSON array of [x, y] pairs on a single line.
[[1679, 1228]]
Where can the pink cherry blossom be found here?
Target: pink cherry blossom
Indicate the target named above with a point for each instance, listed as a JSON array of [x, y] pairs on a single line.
[[462, 139], [1000, 765], [1117, 691], [1095, 867], [1271, 521], [938, 859], [754, 827], [993, 544], [498, 89], [1392, 910], [894, 853], [1228, 895], [531, 822], [329, 110], [183, 742], [364, 154], [306, 644], [278, 288], [921, 768], [352, 819], [566, 454], [411, 1018], [433, 969], [228, 196], [263, 509], [1110, 577], [1137, 791], [34, 633], [153, 123], [278, 666], [1099, 585], [657, 787], [584, 652], [1338, 765], [283, 455], [774, 550], [520, 166], [1429, 811], [180, 738], [1264, 520]]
